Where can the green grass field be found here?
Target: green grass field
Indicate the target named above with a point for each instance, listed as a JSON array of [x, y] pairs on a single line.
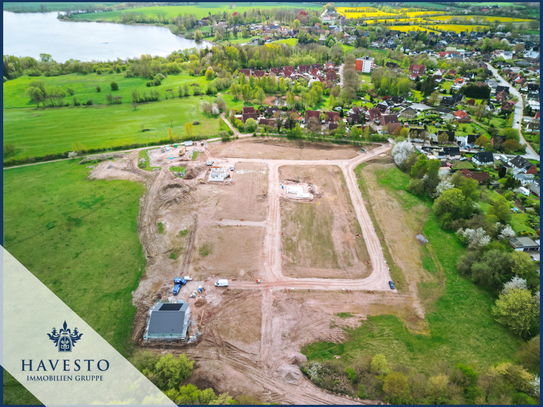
[[53, 6], [200, 10], [289, 41], [79, 237], [461, 327], [46, 131], [84, 87]]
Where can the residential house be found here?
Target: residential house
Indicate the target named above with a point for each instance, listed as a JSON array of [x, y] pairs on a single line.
[[462, 117], [391, 65], [392, 127], [534, 187], [246, 72], [417, 69], [524, 178], [522, 165], [383, 107], [316, 66], [288, 71], [331, 76], [533, 126], [480, 177], [532, 56], [373, 114], [303, 68], [501, 96], [276, 72], [447, 101], [508, 106], [267, 122], [388, 118], [248, 113], [259, 74], [483, 158], [316, 114], [329, 65], [364, 64], [452, 152], [331, 117]]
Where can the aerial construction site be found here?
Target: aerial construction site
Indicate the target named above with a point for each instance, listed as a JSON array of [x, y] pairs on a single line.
[[286, 224]]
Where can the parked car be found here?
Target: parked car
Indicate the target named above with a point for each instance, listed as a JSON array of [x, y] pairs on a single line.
[[176, 289], [179, 280], [463, 159], [201, 143], [231, 168], [391, 284], [210, 163]]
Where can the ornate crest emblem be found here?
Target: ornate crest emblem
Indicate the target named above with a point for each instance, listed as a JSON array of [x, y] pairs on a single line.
[[65, 339]]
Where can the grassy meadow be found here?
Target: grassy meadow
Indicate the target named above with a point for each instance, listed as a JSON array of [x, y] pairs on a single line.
[[200, 10], [84, 87], [47, 131], [461, 327]]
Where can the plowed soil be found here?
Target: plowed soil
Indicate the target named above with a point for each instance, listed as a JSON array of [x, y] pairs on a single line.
[[319, 238], [282, 149]]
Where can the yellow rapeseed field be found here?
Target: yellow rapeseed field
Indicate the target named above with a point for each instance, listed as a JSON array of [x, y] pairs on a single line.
[[406, 28], [487, 18], [358, 12], [457, 28]]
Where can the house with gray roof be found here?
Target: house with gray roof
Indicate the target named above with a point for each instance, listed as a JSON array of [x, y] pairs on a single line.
[[168, 321]]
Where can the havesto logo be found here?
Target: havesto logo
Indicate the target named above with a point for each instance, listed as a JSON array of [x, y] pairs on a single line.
[[65, 340]]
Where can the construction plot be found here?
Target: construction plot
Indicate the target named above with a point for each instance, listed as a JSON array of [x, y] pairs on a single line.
[[246, 197], [228, 252], [282, 149], [319, 237]]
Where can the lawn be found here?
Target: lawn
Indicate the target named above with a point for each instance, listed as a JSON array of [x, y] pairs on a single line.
[[84, 87], [518, 224], [47, 131], [289, 41], [461, 327], [79, 237]]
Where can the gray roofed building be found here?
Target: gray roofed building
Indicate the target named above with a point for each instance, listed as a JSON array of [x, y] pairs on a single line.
[[523, 244], [168, 321]]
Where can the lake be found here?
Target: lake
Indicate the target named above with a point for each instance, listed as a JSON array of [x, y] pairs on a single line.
[[30, 34]]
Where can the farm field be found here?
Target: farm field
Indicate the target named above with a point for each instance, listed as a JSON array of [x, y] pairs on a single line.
[[488, 18], [457, 28], [97, 127], [49, 6], [407, 28], [475, 337], [289, 41], [200, 10], [84, 87]]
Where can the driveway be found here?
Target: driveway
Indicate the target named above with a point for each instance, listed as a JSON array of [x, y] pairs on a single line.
[[517, 120]]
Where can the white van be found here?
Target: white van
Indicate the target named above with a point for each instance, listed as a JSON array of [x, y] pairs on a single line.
[[221, 283]]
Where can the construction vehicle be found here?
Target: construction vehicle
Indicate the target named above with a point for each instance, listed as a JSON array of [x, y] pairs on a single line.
[[182, 151]]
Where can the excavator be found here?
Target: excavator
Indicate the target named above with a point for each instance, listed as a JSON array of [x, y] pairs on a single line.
[[182, 151]]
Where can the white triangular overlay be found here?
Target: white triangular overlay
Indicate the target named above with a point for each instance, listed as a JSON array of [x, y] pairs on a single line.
[[31, 311]]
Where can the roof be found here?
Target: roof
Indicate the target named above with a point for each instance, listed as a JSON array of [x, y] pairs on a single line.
[[480, 176], [312, 113], [522, 242], [484, 156], [333, 116], [248, 110], [168, 318], [461, 114], [389, 118], [521, 162]]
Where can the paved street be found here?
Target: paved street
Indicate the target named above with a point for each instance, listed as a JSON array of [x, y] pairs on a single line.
[[519, 107]]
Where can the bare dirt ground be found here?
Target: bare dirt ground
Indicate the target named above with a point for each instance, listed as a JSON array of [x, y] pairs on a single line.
[[282, 149], [252, 333], [319, 238], [247, 197]]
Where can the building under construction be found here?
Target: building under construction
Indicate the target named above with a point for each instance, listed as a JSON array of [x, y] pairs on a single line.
[[168, 321]]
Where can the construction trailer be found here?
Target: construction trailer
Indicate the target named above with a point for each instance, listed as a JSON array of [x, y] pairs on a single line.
[[168, 321]]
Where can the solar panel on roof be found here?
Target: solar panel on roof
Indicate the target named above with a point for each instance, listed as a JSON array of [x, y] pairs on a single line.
[[170, 307]]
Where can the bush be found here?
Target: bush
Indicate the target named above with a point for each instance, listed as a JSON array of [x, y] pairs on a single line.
[[114, 86], [70, 91], [89, 102], [98, 72], [9, 150], [98, 88], [196, 123]]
